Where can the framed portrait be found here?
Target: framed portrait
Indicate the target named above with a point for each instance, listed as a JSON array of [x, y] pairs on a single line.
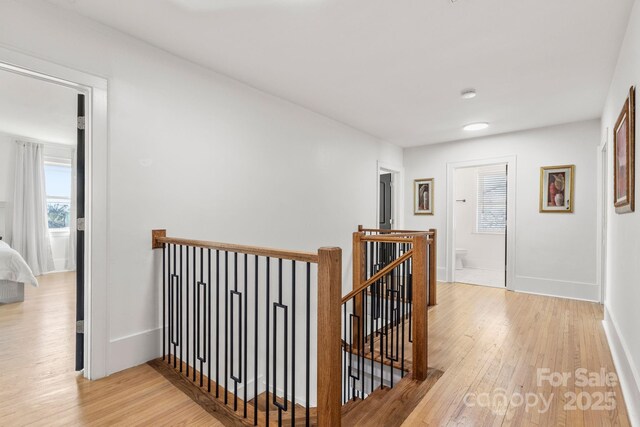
[[423, 196], [556, 188], [624, 156]]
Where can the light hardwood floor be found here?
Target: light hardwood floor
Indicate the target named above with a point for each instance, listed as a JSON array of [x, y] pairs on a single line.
[[483, 339], [490, 341], [39, 387]]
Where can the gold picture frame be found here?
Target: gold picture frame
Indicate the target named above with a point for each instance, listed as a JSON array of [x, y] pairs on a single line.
[[555, 183], [423, 196], [624, 156]]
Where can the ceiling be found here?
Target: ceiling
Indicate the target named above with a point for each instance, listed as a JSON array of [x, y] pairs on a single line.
[[395, 68], [36, 109]]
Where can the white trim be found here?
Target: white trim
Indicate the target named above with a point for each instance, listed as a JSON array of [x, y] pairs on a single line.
[[134, 349], [95, 90], [397, 191], [450, 249], [582, 291], [601, 216], [628, 376]]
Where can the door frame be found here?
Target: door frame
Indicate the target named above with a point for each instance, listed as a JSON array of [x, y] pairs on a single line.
[[602, 214], [96, 228], [397, 192], [450, 247]]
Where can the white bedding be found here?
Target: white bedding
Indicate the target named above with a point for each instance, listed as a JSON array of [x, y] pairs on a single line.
[[13, 267]]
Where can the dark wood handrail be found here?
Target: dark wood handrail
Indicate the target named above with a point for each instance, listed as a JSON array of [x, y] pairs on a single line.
[[159, 239], [379, 275]]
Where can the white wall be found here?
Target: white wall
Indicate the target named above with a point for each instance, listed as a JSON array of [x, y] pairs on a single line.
[[485, 250], [203, 156], [623, 233], [7, 172], [555, 253]]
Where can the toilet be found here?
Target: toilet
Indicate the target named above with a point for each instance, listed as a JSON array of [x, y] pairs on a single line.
[[460, 254]]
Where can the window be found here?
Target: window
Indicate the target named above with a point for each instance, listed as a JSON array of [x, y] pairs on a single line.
[[58, 185], [492, 200]]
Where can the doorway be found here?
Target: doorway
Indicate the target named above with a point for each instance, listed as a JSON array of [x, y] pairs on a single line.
[[90, 94], [480, 222], [480, 238], [389, 196], [42, 139], [603, 187]]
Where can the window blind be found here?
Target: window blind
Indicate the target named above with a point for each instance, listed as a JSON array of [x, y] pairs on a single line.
[[492, 200]]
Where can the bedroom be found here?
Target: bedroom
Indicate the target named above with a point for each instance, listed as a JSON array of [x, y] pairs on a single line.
[[37, 207]]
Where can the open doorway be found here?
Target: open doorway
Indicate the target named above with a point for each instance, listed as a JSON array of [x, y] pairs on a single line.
[[389, 196], [480, 224], [480, 236], [41, 199]]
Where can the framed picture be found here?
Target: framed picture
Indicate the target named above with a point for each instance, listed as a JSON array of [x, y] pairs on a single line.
[[624, 145], [556, 188], [423, 196]]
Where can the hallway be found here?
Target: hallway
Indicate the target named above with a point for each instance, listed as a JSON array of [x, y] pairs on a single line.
[[483, 339]]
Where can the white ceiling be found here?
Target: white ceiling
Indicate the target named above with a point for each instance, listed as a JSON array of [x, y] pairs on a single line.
[[395, 68], [36, 109]]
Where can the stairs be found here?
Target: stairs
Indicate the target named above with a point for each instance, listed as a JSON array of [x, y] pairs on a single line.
[[389, 406]]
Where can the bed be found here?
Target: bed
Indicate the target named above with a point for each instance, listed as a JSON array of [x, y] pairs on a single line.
[[14, 274]]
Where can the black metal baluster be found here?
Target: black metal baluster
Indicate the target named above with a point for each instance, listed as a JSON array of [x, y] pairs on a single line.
[[170, 284], [208, 325], [196, 339], [201, 336], [255, 348], [180, 293], [184, 288], [293, 343], [267, 403], [217, 323], [235, 288], [226, 327], [308, 340], [246, 350], [403, 306], [164, 301], [345, 376]]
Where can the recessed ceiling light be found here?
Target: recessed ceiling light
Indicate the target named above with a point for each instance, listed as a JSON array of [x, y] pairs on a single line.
[[468, 94], [476, 126]]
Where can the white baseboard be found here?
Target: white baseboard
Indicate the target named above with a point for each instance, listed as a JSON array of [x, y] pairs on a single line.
[[441, 274], [629, 378], [133, 350], [556, 288]]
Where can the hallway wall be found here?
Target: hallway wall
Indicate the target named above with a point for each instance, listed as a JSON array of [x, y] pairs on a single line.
[[623, 231], [203, 156], [555, 253]]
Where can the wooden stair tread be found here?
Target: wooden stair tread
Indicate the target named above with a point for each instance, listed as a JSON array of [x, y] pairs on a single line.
[[216, 406], [389, 406]]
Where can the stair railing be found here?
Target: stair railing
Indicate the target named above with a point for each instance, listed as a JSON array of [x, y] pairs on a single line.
[[237, 323], [386, 312]]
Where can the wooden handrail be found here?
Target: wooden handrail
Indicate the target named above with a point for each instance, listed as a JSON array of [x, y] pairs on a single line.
[[393, 238], [380, 274], [159, 238], [385, 231]]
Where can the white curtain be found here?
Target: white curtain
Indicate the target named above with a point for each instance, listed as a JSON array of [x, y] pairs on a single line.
[[71, 247], [30, 230]]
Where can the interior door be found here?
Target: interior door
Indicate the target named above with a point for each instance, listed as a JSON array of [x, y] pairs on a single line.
[[80, 235], [385, 202]]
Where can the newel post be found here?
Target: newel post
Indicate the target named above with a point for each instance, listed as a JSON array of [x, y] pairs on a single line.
[[433, 267], [420, 329], [359, 277], [329, 340]]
